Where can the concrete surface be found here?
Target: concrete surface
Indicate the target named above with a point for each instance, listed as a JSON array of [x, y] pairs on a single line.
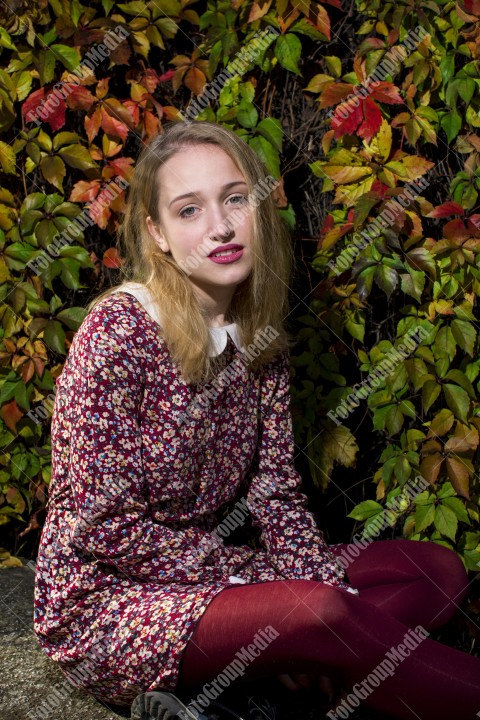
[[27, 675]]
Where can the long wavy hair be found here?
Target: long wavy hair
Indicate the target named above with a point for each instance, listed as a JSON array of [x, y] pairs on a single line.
[[261, 300]]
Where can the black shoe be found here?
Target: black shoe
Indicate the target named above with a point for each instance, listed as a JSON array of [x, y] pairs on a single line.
[[156, 705]]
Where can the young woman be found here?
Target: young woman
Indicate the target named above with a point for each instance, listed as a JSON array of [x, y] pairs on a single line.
[[171, 427]]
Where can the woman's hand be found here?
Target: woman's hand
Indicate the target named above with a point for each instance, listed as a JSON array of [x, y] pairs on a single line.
[[296, 681]]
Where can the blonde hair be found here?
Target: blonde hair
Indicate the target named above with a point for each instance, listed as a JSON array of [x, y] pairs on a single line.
[[258, 302]]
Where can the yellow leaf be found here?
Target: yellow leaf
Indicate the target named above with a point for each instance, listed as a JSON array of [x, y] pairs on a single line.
[[7, 158], [343, 174], [348, 194], [381, 143], [338, 445]]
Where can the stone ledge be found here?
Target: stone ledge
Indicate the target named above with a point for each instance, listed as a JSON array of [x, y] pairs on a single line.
[[28, 676]]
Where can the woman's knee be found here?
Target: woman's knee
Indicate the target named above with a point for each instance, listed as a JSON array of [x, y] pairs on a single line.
[[326, 606]]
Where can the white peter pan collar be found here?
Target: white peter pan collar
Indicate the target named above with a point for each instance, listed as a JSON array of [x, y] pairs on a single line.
[[218, 335]]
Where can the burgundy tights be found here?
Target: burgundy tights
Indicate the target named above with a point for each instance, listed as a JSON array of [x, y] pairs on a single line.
[[402, 584]]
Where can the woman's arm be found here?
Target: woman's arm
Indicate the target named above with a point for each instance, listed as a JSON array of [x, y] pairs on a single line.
[[101, 394], [290, 535]]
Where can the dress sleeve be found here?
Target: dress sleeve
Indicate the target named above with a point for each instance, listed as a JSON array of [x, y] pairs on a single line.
[[101, 392], [289, 533]]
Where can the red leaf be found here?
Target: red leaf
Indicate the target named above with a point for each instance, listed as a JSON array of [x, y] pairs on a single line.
[[112, 259], [335, 93], [40, 104], [473, 224], [11, 414], [80, 98], [386, 92], [346, 119], [372, 120], [448, 208], [456, 230], [166, 76], [32, 102]]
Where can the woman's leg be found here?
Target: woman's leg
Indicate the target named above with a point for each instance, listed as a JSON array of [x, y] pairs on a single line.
[[415, 582], [321, 628]]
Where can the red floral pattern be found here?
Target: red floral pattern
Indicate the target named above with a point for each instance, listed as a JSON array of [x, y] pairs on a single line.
[[126, 564]]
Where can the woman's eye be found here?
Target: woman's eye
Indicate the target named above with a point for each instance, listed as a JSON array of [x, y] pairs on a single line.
[[238, 199], [185, 213]]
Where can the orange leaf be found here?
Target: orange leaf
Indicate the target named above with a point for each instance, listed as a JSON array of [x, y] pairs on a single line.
[[386, 92], [335, 93], [459, 476], [11, 414], [84, 191], [92, 124], [430, 467], [80, 98], [195, 80], [257, 11], [323, 22], [112, 259], [114, 126]]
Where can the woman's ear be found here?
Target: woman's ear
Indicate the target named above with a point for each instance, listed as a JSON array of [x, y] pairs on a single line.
[[157, 234]]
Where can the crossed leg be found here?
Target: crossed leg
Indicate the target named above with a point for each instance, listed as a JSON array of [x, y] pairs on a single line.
[[322, 629]]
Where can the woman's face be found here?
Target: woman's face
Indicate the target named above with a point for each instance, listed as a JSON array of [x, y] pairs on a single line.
[[203, 207]]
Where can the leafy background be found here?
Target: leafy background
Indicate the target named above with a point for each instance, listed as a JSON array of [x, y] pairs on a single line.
[[338, 170]]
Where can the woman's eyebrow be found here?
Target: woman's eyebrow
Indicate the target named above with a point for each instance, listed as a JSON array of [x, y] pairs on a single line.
[[196, 194]]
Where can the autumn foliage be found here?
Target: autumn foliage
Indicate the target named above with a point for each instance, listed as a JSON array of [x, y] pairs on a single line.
[[394, 110]]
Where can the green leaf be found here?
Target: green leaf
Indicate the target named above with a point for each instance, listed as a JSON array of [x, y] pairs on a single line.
[[464, 334], [271, 128], [387, 279], [288, 49], [458, 377], [44, 61], [452, 124], [24, 84], [267, 154], [458, 508], [54, 336], [72, 317], [334, 65], [457, 400], [77, 156], [424, 516], [7, 158], [53, 170], [365, 509], [247, 114], [447, 67], [69, 56], [446, 521], [394, 420]]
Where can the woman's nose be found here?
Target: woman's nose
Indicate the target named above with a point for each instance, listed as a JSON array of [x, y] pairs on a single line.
[[221, 229]]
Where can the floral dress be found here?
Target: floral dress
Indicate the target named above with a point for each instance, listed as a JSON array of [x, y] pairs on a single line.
[[143, 470]]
